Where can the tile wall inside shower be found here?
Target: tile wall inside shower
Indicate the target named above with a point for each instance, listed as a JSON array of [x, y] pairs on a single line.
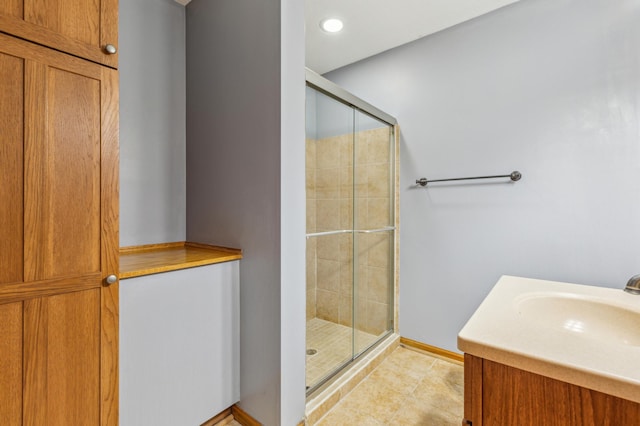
[[333, 202]]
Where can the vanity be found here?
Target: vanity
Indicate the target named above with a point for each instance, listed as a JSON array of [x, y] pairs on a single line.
[[548, 353]]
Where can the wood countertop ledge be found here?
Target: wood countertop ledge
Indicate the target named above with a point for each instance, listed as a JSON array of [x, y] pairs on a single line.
[[136, 261]]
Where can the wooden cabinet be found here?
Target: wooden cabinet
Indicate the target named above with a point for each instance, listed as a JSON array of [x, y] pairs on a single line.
[[500, 395], [58, 236], [80, 27]]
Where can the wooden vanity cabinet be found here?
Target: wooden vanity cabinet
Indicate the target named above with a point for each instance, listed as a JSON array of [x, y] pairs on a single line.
[[82, 28], [499, 395], [58, 237]]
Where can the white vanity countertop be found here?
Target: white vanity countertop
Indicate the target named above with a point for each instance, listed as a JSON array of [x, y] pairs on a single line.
[[585, 335]]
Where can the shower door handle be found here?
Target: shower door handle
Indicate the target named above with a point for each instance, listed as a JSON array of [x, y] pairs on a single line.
[[373, 231]]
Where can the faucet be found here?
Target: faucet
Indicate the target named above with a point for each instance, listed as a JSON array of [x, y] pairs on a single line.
[[633, 286]]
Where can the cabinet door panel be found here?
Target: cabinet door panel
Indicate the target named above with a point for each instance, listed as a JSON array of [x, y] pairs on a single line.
[[62, 359], [62, 180], [11, 123], [11, 364], [12, 8], [81, 28], [79, 20]]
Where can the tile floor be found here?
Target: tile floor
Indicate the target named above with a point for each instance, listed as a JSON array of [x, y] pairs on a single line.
[[334, 346], [409, 388]]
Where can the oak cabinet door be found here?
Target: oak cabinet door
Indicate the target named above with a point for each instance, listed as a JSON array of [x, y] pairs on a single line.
[[80, 27], [59, 238]]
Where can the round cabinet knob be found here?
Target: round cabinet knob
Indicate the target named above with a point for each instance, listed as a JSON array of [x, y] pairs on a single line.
[[111, 279], [110, 49]]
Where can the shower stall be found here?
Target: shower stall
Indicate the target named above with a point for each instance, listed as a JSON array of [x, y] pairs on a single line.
[[351, 228]]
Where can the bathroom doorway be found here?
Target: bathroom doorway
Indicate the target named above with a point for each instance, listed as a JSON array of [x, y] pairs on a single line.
[[350, 191]]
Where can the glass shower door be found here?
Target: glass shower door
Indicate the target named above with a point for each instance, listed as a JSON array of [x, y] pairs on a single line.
[[329, 188], [350, 233], [373, 230]]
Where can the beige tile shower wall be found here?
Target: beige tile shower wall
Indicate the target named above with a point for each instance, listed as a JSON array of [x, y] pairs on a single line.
[[334, 206], [333, 190]]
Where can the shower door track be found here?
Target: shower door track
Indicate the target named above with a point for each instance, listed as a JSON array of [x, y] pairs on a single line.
[[334, 91]]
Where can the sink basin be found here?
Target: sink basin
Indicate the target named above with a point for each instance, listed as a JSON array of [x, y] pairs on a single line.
[[589, 317], [588, 336]]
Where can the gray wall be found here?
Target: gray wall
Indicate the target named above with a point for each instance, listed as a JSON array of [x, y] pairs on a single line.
[[152, 121], [547, 87], [243, 115]]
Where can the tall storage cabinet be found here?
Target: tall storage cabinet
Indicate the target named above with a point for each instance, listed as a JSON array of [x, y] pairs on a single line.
[[58, 217]]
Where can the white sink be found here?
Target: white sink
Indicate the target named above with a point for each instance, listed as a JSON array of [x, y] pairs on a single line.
[[585, 335], [591, 318]]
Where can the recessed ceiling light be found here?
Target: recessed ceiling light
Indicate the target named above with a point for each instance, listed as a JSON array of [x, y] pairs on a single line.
[[331, 25]]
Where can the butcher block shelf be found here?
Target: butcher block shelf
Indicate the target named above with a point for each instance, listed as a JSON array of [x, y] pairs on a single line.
[[150, 259]]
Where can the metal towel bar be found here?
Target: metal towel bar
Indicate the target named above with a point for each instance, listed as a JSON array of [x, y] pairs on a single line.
[[514, 176]]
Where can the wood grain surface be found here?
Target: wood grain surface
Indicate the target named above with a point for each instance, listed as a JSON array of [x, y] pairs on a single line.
[[56, 296], [500, 395], [11, 364], [11, 171], [81, 28], [152, 259]]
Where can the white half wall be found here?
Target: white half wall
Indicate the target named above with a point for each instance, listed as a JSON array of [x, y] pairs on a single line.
[[179, 345]]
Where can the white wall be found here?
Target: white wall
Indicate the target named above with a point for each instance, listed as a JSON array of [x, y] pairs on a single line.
[[152, 121], [547, 87], [292, 216]]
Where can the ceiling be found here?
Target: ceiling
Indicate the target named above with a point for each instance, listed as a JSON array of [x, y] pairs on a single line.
[[373, 26]]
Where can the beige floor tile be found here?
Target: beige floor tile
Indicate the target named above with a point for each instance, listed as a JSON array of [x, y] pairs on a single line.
[[409, 388], [414, 412], [371, 399], [388, 376], [443, 389], [341, 416], [411, 361]]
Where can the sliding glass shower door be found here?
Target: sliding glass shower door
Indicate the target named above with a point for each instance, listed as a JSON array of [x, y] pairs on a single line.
[[350, 233]]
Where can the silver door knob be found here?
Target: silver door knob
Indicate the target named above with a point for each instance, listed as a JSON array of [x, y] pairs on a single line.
[[110, 49], [111, 279]]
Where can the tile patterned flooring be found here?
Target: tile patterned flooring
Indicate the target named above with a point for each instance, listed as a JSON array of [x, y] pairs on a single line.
[[409, 388], [334, 346]]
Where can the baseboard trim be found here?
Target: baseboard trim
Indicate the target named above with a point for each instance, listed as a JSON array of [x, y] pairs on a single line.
[[432, 349], [239, 415], [217, 418], [243, 417]]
